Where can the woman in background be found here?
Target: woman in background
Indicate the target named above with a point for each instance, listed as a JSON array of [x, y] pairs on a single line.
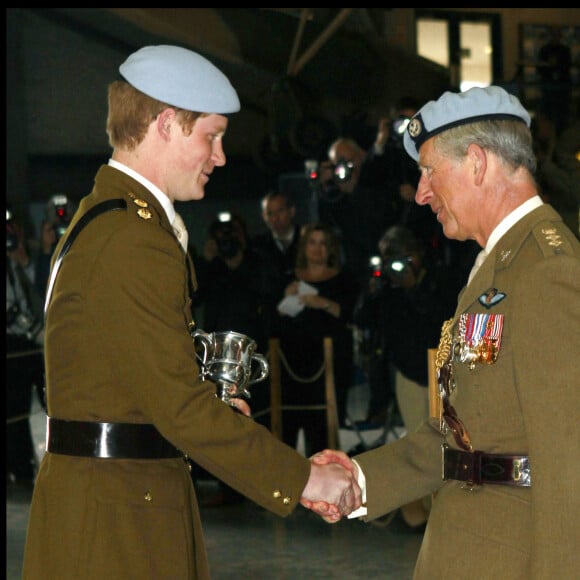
[[326, 295]]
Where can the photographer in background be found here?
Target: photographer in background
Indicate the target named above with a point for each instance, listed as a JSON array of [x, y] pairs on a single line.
[[230, 278], [24, 354], [405, 307], [352, 198], [58, 213], [400, 174]]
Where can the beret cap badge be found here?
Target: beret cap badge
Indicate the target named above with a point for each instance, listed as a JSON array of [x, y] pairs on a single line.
[[415, 127]]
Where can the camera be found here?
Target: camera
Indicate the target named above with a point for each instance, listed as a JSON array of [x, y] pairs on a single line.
[[398, 265], [380, 267], [28, 324], [227, 241], [376, 266], [58, 213], [11, 237], [311, 170], [398, 127], [341, 171]]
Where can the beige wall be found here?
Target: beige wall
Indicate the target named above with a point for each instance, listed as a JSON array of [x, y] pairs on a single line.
[[511, 20]]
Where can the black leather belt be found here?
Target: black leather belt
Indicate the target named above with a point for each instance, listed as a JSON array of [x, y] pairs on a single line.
[[477, 467], [107, 440]]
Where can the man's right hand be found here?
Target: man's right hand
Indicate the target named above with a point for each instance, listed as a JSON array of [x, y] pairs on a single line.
[[332, 490]]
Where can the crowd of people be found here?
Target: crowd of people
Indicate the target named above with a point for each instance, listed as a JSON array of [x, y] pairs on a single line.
[[24, 357], [442, 182]]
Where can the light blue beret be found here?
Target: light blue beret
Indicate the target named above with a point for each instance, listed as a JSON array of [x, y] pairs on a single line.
[[182, 78], [454, 109]]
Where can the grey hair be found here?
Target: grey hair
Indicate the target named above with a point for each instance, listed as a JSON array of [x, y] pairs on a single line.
[[511, 141]]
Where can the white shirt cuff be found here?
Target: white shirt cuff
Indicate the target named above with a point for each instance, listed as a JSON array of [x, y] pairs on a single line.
[[362, 483]]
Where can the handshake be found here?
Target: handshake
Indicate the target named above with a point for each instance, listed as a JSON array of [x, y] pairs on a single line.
[[332, 490]]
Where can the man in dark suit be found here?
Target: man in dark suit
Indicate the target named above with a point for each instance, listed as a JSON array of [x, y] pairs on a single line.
[[277, 248], [126, 405], [503, 456]]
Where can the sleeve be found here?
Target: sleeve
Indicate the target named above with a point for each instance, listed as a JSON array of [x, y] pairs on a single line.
[[145, 285]]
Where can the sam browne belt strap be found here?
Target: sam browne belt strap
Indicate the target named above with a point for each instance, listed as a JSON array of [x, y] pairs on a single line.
[[107, 440], [476, 467]]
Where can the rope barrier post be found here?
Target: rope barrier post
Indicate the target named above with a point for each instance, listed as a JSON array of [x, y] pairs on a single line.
[[433, 386], [275, 388], [331, 408]]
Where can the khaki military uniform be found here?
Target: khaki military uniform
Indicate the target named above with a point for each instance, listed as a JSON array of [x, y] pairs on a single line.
[[118, 350], [526, 402]]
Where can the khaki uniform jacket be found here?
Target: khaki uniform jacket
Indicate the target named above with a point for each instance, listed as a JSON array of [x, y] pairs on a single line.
[[118, 349], [527, 402]]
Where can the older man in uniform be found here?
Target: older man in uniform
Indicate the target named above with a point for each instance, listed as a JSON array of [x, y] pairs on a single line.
[[113, 496], [503, 458]]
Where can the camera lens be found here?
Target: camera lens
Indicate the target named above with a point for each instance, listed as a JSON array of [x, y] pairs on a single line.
[[399, 265], [400, 124], [343, 170]]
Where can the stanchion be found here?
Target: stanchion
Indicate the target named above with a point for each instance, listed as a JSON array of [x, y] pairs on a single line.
[[331, 407]]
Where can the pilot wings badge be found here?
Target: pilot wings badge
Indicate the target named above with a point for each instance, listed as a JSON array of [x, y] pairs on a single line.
[[491, 297]]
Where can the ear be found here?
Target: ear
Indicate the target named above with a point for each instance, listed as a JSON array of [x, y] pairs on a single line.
[[478, 159], [164, 121]]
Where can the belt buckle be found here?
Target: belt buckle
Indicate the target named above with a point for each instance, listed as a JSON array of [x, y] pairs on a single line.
[[521, 472], [474, 484]]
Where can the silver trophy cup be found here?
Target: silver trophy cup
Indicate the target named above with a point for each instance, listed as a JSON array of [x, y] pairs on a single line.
[[228, 359]]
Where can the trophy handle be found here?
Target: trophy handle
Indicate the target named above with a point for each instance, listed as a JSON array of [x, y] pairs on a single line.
[[202, 339], [262, 369]]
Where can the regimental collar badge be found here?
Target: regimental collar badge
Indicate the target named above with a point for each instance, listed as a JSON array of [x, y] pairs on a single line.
[[491, 297]]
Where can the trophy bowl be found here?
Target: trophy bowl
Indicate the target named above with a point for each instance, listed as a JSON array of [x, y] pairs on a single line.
[[228, 359]]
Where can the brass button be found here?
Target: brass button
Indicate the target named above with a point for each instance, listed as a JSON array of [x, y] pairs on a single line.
[[277, 493], [148, 496], [286, 500]]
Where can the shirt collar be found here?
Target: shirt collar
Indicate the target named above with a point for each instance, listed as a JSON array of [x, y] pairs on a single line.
[[159, 195], [511, 219]]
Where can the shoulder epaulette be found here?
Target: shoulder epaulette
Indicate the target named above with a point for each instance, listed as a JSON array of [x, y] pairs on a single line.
[[551, 239]]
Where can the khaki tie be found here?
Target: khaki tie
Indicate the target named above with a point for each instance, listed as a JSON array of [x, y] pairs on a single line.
[[478, 262], [180, 231]]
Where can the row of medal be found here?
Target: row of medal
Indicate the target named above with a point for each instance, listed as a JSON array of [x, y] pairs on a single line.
[[478, 339]]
